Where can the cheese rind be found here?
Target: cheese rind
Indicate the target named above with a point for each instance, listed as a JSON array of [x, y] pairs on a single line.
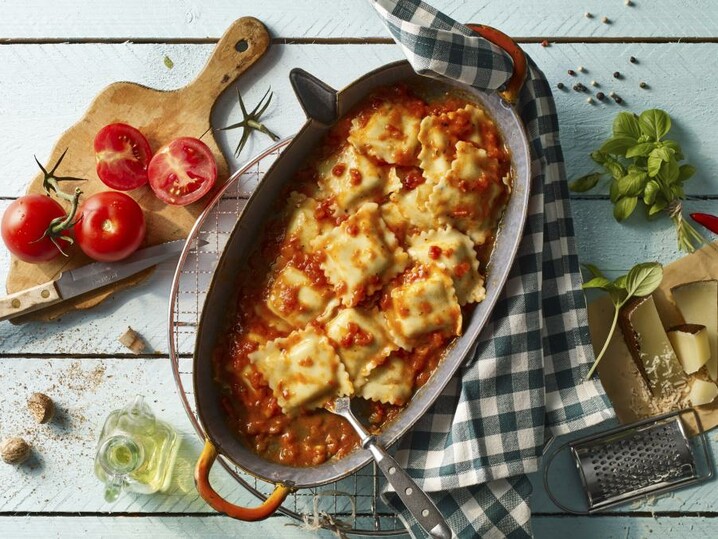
[[690, 343], [698, 303], [649, 346], [702, 392]]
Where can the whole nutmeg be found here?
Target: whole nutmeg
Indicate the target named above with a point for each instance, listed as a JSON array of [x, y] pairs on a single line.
[[14, 450], [41, 407]]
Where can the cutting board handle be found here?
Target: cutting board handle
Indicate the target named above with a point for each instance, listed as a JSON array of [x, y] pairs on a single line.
[[240, 46]]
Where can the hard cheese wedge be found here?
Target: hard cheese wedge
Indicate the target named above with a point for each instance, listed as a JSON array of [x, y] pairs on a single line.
[[698, 303], [702, 392], [690, 343], [650, 348]]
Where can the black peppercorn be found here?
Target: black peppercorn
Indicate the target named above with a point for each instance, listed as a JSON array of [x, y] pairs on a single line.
[[560, 86], [616, 75], [632, 59], [618, 99], [643, 85], [600, 96], [572, 72]]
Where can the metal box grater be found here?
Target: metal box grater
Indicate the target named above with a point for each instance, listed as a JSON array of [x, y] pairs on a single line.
[[635, 460]]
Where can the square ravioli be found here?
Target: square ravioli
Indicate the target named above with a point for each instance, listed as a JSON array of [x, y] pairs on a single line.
[[390, 134], [362, 341], [453, 251], [350, 179], [439, 134], [423, 302], [360, 255], [303, 370], [465, 198], [295, 299], [302, 220], [392, 382]]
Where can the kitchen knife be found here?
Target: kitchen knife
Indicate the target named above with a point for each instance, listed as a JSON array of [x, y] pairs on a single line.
[[86, 278]]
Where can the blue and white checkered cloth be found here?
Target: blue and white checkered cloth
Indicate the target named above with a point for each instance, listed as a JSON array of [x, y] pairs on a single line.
[[473, 449]]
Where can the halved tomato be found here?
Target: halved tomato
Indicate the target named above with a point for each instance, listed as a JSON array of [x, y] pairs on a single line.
[[182, 171], [122, 154]]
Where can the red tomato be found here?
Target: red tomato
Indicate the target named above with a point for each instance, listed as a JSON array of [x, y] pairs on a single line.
[[24, 224], [111, 226], [182, 171], [122, 154]]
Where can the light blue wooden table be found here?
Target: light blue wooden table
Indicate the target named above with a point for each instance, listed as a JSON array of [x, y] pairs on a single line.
[[56, 56]]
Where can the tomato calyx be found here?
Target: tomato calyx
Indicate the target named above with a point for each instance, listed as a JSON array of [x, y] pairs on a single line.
[[56, 230], [250, 121], [51, 182]]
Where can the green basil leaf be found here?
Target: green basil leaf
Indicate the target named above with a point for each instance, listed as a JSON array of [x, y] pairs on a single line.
[[613, 191], [677, 191], [640, 150], [643, 279], [669, 172], [618, 145], [658, 206], [618, 295], [597, 282], [620, 282], [626, 125], [654, 123], [673, 145], [653, 166], [614, 168], [624, 208], [599, 157], [686, 172], [585, 183], [650, 192], [632, 184], [593, 270]]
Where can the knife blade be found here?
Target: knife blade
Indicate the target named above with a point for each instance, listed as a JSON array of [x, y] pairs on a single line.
[[74, 282]]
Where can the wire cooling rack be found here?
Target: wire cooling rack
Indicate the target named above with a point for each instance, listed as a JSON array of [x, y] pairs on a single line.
[[350, 506]]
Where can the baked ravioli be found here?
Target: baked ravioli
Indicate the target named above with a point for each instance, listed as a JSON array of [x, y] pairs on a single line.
[[364, 273]]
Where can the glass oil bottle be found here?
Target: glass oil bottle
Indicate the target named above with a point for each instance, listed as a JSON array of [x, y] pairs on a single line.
[[136, 452]]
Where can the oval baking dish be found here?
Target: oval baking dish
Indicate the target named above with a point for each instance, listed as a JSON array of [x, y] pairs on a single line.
[[323, 107]]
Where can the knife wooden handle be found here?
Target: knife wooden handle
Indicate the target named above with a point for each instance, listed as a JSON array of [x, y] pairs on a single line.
[[28, 300]]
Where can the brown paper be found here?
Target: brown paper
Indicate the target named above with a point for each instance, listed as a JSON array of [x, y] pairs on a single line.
[[619, 375]]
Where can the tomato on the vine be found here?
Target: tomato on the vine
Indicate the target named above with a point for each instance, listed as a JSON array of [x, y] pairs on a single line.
[[182, 171], [123, 155], [110, 227], [26, 228]]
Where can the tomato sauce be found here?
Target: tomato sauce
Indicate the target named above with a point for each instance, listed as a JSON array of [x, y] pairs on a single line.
[[313, 437]]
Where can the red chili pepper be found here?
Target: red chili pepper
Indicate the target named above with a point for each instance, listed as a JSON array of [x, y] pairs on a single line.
[[707, 220]]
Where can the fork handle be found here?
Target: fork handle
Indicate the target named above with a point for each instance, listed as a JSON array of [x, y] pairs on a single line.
[[415, 499]]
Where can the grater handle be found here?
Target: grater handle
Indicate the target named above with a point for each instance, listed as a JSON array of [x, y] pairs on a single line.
[[547, 467]]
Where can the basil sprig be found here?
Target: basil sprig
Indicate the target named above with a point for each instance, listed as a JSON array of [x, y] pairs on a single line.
[[643, 168], [640, 281]]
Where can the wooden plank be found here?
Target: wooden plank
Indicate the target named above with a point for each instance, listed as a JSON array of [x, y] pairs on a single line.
[[34, 115], [544, 527], [350, 19]]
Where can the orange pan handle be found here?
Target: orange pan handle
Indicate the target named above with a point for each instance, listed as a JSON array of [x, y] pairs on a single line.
[[216, 502], [513, 86]]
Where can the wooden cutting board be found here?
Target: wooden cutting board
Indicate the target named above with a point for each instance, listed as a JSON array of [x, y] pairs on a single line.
[[161, 116]]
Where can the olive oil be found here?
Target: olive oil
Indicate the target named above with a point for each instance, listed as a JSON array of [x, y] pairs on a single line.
[[136, 451]]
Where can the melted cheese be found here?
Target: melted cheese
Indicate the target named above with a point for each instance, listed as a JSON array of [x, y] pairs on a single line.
[[361, 255], [303, 370], [362, 341], [454, 252], [302, 223], [295, 299], [438, 144], [424, 303], [464, 198], [351, 179], [390, 134], [390, 383]]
